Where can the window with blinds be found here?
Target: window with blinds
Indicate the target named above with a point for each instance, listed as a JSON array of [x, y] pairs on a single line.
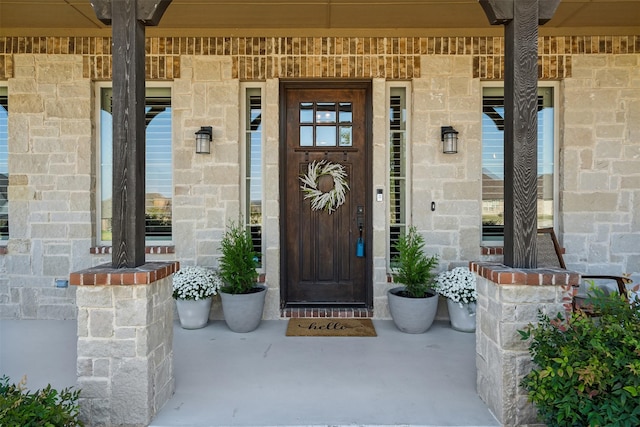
[[4, 165], [159, 165], [397, 165], [493, 161], [253, 167]]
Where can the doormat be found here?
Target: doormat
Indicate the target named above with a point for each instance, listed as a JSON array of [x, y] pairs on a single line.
[[330, 327]]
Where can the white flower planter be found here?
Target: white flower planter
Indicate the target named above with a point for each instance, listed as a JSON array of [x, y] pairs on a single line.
[[194, 314], [462, 316]]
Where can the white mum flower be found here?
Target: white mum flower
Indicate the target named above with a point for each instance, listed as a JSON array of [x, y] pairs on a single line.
[[195, 283], [458, 285]]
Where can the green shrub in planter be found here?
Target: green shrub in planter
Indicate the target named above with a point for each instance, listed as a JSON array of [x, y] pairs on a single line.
[[587, 369], [411, 267], [238, 263], [46, 407]]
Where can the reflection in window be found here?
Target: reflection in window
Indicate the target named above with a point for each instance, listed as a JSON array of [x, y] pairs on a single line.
[[493, 161], [325, 112], [326, 136], [159, 165], [4, 165], [397, 165], [345, 115], [306, 112], [253, 176], [306, 136], [345, 136], [318, 124]]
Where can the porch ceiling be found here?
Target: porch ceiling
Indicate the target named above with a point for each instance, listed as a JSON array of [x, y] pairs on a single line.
[[317, 17]]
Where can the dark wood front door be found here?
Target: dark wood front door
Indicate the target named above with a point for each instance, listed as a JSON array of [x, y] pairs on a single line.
[[323, 261]]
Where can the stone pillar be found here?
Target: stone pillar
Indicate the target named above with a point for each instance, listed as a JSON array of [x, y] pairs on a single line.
[[508, 300], [125, 342]]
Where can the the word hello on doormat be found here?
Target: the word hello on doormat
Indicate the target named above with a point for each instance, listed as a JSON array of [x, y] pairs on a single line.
[[330, 327]]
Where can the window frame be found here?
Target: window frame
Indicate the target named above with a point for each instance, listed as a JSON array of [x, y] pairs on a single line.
[[4, 91], [556, 102], [244, 87], [406, 203], [98, 146]]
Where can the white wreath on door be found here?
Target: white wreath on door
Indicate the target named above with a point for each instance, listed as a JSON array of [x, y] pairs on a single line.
[[330, 200]]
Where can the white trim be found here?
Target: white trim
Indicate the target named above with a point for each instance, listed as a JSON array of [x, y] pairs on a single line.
[[244, 86], [408, 156], [4, 89], [556, 150]]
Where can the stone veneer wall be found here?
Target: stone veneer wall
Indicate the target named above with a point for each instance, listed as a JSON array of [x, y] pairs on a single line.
[[508, 300], [207, 187], [600, 165], [125, 343], [52, 156], [51, 179], [447, 94]]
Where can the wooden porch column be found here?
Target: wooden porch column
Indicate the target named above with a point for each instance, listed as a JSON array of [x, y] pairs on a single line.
[[129, 17], [521, 19]]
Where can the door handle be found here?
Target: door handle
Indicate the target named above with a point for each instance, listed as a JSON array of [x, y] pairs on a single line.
[[360, 223], [360, 218]]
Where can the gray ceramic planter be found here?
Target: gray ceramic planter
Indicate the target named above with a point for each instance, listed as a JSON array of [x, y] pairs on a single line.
[[194, 314], [243, 312], [462, 316], [412, 315]]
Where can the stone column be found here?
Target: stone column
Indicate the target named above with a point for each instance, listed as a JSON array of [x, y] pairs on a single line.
[[125, 342], [508, 300]]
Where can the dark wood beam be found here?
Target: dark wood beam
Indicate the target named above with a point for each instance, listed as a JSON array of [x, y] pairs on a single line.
[[498, 11], [128, 19], [128, 236], [521, 135], [501, 11], [148, 12], [546, 10], [521, 19]]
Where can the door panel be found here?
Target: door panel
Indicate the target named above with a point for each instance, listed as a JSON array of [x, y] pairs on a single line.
[[320, 265]]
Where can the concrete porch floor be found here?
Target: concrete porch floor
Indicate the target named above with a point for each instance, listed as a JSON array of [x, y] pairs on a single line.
[[265, 378]]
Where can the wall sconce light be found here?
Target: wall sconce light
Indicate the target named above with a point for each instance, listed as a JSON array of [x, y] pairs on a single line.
[[203, 140], [449, 138]]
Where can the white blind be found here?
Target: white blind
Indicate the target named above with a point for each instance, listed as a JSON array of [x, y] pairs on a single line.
[[397, 166], [4, 165], [253, 177]]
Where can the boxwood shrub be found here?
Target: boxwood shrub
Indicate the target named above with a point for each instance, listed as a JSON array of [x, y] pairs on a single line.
[[48, 407], [587, 367]]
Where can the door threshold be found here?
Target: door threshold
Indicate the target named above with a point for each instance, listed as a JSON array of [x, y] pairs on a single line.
[[343, 312]]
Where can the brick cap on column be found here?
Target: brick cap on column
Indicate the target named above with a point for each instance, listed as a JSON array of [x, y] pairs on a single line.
[[106, 275], [504, 275]]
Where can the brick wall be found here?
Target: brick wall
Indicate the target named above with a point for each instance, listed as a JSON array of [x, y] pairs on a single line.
[[278, 57]]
